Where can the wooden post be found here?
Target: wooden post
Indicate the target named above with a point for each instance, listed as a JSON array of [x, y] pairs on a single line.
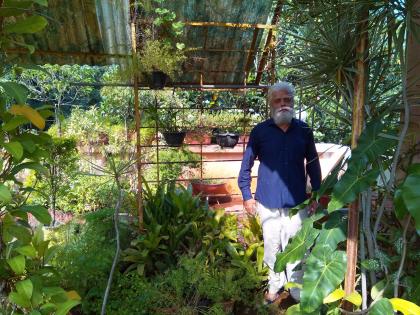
[[357, 127], [412, 141], [137, 116]]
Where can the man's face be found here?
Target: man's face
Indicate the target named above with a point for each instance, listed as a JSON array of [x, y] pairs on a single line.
[[281, 107]]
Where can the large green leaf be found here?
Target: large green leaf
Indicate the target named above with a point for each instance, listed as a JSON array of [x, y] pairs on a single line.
[[18, 264], [29, 165], [333, 231], [39, 212], [372, 143], [25, 288], [324, 271], [5, 195], [22, 233], [400, 208], [27, 250], [295, 310], [382, 307], [16, 90], [19, 299], [353, 182], [295, 250], [14, 7], [41, 2], [330, 180], [411, 196], [64, 308], [29, 25], [15, 149], [14, 123]]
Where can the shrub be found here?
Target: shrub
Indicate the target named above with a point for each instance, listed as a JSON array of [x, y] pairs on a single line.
[[84, 254]]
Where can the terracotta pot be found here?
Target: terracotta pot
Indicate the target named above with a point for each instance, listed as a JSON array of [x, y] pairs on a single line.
[[197, 138], [214, 193]]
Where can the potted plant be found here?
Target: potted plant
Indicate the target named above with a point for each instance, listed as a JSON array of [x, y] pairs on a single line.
[[226, 127], [172, 119], [161, 54], [159, 60]]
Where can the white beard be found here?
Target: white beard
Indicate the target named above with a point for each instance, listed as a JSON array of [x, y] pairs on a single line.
[[282, 117]]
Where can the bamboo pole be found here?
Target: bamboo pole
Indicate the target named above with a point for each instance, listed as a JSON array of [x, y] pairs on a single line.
[[137, 116], [269, 41], [357, 127]]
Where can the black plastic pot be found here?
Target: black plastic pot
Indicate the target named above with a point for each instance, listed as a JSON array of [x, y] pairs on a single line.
[[174, 139], [158, 81], [227, 140]]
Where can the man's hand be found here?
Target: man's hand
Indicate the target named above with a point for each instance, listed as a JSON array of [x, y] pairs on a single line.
[[313, 205], [250, 206]]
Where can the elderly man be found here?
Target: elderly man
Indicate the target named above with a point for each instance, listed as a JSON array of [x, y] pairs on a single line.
[[282, 144]]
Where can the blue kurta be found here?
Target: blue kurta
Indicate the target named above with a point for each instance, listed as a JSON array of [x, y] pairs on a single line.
[[281, 175]]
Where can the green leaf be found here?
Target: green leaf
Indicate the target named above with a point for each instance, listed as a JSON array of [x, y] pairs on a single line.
[[39, 212], [334, 231], [414, 169], [15, 149], [27, 250], [371, 143], [377, 288], [52, 291], [295, 250], [325, 270], [35, 312], [19, 300], [16, 90], [382, 307], [14, 7], [25, 288], [48, 308], [411, 196], [296, 310], [29, 25], [29, 165], [14, 123], [351, 184], [22, 233], [64, 308], [41, 2], [329, 181], [400, 208], [17, 264], [5, 195]]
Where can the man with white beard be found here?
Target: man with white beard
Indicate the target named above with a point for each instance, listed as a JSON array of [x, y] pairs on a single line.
[[282, 144]]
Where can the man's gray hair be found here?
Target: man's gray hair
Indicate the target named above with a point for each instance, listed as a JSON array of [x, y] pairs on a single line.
[[280, 86]]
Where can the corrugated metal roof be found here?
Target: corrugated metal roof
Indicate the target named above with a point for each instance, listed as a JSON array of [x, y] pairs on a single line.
[[88, 31]]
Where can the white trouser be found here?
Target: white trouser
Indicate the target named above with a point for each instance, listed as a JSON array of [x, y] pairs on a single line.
[[278, 228]]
